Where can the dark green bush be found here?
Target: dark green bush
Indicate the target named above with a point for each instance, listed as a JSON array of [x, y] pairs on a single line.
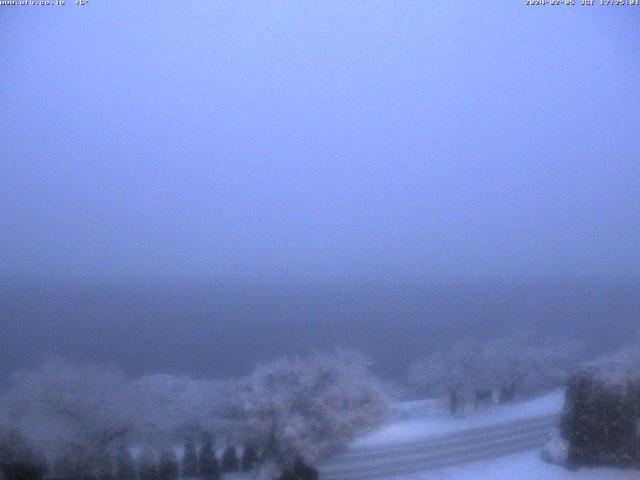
[[601, 420]]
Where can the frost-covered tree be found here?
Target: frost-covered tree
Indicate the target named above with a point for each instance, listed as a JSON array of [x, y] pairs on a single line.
[[517, 364], [82, 416], [620, 367], [506, 365], [452, 372], [308, 406], [78, 415], [190, 460], [170, 404]]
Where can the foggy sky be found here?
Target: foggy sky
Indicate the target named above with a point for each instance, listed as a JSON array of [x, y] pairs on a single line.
[[264, 141]]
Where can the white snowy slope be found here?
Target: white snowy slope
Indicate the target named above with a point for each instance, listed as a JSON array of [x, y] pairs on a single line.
[[439, 451], [520, 466], [431, 421]]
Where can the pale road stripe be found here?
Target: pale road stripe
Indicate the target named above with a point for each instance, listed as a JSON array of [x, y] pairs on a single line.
[[551, 419], [430, 454], [436, 464], [446, 461], [437, 452], [434, 442]]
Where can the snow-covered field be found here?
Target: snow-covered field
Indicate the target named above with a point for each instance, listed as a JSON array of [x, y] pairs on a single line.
[[421, 421], [428, 419], [521, 466]]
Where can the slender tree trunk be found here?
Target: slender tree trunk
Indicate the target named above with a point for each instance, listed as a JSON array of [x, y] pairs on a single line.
[[454, 401]]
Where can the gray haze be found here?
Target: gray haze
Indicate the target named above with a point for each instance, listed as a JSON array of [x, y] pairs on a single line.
[[197, 186]]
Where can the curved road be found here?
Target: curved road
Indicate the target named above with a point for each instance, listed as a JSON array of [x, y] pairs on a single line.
[[439, 451]]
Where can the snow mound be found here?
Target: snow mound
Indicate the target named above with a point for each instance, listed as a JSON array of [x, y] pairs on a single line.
[[436, 421], [555, 450], [417, 409]]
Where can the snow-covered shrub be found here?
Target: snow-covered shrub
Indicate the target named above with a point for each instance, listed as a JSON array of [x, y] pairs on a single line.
[[230, 461], [303, 471], [601, 417], [308, 406], [556, 449], [249, 458], [208, 466], [190, 460]]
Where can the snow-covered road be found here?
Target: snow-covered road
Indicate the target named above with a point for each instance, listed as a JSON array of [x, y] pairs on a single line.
[[371, 462]]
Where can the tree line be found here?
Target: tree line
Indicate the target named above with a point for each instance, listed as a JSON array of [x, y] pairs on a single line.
[[469, 373], [85, 422]]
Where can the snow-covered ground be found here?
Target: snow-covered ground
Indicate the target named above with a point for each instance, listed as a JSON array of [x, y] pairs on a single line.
[[421, 420], [428, 419], [521, 466]]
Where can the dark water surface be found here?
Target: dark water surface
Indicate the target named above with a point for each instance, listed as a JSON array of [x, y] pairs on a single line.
[[213, 331]]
